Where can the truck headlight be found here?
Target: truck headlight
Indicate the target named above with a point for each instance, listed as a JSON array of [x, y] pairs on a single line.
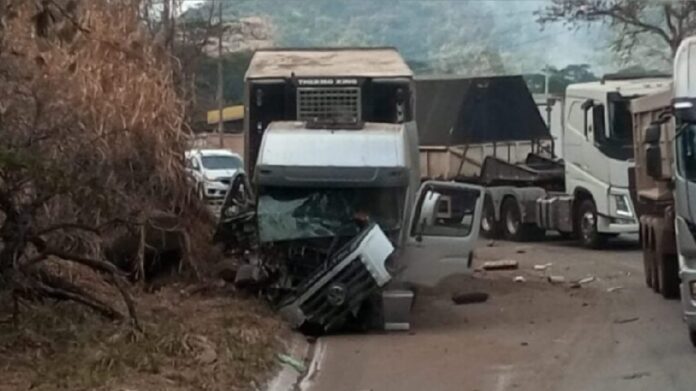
[[622, 208]]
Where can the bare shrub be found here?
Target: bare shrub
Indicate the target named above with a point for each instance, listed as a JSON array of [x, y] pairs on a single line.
[[91, 142]]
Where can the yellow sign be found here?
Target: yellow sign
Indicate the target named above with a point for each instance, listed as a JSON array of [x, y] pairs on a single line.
[[230, 113]]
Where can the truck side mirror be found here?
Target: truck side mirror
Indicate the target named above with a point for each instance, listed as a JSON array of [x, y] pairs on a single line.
[[586, 105], [598, 121], [653, 158], [652, 134], [653, 152]]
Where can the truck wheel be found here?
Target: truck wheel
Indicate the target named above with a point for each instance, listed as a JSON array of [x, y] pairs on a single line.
[[692, 337], [490, 228], [587, 225], [668, 273], [566, 235], [512, 220], [649, 266]]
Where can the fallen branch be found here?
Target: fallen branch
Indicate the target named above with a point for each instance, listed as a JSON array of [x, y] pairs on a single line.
[[55, 287], [80, 295]]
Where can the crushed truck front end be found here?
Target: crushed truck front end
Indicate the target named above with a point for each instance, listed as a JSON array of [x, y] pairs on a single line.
[[332, 205]]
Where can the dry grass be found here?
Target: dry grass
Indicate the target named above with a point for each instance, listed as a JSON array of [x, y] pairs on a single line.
[[212, 342]]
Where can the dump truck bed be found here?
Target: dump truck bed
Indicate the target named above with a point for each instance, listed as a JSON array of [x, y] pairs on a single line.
[[646, 110]]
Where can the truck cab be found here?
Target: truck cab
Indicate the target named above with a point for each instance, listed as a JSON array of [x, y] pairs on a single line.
[[684, 108], [340, 211], [598, 153]]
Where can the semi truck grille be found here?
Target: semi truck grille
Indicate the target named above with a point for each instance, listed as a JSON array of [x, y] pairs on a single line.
[[329, 104], [345, 292]]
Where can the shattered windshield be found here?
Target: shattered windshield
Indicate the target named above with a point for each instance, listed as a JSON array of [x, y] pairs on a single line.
[[221, 162], [288, 214]]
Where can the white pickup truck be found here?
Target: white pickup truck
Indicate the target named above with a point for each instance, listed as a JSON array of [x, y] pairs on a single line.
[[210, 171]]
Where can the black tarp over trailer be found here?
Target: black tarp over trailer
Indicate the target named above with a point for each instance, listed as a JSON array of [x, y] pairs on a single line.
[[458, 111]]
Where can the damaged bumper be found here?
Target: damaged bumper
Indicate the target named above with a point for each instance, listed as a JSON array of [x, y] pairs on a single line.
[[330, 295]]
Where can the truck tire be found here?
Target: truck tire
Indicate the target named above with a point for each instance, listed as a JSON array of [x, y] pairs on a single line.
[[649, 266], [586, 224], [667, 268], [692, 336], [490, 227], [512, 226], [511, 220]]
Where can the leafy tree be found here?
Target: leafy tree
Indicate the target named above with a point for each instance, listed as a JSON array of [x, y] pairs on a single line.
[[632, 20]]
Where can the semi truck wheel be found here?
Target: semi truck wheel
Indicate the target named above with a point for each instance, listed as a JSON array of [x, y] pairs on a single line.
[[513, 227], [692, 337], [649, 266], [587, 225], [511, 219], [667, 272], [490, 228]]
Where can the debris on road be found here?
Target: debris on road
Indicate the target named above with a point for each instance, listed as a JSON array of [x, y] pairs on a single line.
[[505, 264], [626, 320], [469, 298], [491, 243], [296, 364], [521, 250], [580, 283], [519, 279], [636, 375], [614, 289], [543, 267], [556, 279]]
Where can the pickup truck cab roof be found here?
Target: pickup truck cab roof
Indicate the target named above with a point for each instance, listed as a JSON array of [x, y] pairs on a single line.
[[210, 152]]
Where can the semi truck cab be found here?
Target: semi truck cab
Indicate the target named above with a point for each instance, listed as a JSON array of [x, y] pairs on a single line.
[[598, 153], [684, 108]]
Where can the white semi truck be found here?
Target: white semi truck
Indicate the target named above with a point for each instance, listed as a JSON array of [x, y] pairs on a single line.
[[340, 210], [586, 194]]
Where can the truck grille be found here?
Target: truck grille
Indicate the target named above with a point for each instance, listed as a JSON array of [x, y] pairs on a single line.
[[357, 284], [329, 104]]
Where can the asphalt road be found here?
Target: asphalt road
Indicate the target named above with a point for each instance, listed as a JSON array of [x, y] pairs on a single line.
[[527, 336]]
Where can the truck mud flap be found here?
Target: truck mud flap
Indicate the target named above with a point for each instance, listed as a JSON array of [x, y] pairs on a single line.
[[332, 294]]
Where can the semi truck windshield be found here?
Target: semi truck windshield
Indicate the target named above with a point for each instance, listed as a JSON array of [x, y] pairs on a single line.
[[617, 141], [621, 122], [286, 213]]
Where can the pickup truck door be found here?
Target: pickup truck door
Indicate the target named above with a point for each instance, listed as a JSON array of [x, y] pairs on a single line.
[[443, 229]]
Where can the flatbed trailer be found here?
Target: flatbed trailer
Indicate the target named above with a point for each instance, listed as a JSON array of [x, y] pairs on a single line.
[[528, 189]]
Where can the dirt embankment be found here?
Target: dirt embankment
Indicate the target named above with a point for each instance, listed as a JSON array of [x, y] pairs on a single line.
[[202, 341]]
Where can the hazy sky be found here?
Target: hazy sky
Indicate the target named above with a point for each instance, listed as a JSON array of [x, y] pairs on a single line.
[[524, 46]]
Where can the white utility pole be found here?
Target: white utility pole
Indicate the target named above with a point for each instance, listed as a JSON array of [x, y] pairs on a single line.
[[220, 97]]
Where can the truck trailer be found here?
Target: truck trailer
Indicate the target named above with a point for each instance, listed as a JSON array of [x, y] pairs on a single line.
[[586, 193]]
